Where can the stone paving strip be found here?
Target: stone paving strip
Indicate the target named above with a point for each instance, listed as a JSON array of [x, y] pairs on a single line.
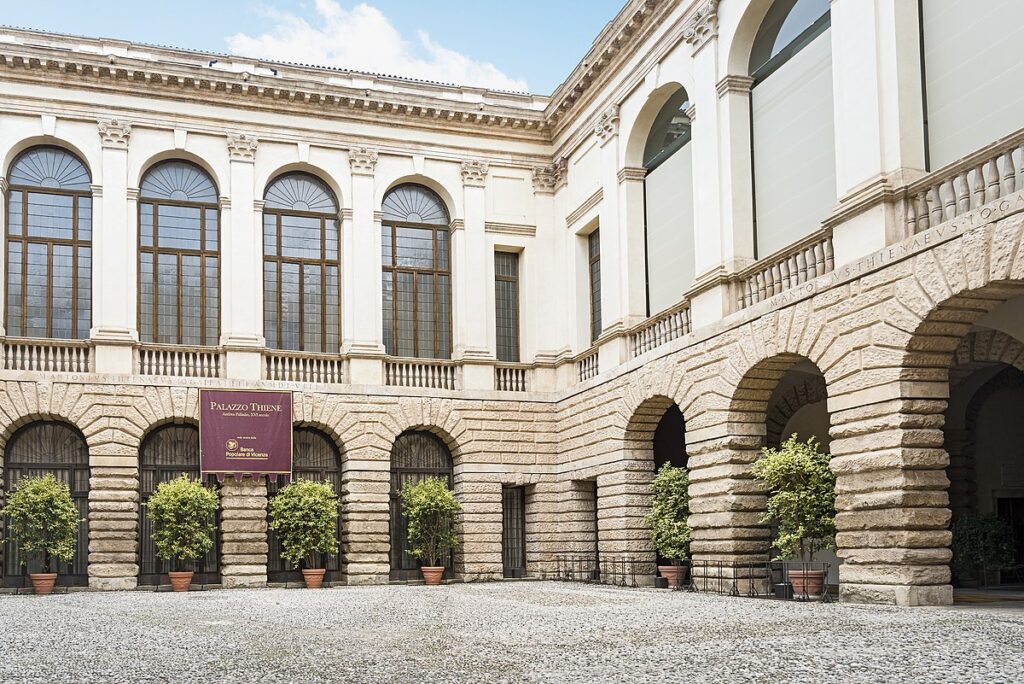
[[498, 632]]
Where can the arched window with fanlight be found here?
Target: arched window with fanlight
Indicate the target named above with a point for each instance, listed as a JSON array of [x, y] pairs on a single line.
[[668, 204], [417, 281], [179, 256], [49, 245], [301, 254], [792, 126]]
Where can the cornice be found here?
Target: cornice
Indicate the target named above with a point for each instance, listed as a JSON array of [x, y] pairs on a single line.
[[185, 75], [632, 173], [585, 206], [739, 85]]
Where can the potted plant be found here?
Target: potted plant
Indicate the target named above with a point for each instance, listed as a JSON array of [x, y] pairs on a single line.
[[667, 520], [430, 508], [802, 503], [304, 514], [182, 512], [43, 522], [981, 544]]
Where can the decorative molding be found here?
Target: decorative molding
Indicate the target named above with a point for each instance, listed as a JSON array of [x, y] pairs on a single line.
[[702, 26], [737, 85], [632, 173], [607, 126], [258, 205], [347, 214], [587, 204], [97, 190], [378, 217], [4, 186], [474, 173], [132, 194], [224, 203], [114, 133], [561, 171], [691, 113], [544, 179], [242, 147], [456, 225], [362, 160], [509, 228]]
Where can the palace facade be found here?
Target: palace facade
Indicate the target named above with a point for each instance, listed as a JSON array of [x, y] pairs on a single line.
[[735, 220]]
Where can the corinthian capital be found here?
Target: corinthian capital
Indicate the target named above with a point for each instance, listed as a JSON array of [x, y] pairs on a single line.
[[114, 133], [242, 146], [362, 160], [474, 173], [607, 125], [702, 26]]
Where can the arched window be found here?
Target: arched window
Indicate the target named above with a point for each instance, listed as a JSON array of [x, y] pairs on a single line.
[[415, 456], [179, 256], [971, 59], [314, 457], [166, 453], [49, 448], [49, 245], [792, 123], [417, 274], [668, 205], [301, 251]]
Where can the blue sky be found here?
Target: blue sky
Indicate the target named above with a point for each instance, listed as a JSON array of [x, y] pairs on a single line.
[[529, 44]]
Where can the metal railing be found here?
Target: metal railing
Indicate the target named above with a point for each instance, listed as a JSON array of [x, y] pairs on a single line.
[[429, 373], [670, 324], [303, 367], [786, 269], [587, 365], [510, 378], [773, 579], [987, 175], [619, 571], [181, 362], [63, 356]]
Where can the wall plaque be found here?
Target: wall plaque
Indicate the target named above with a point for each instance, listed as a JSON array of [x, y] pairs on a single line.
[[245, 432]]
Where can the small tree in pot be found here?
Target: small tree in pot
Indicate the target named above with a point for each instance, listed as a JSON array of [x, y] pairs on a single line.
[[182, 512], [43, 522], [982, 544], [802, 501], [430, 508], [304, 514], [667, 520]]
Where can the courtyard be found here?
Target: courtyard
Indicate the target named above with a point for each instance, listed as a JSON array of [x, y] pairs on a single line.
[[497, 632]]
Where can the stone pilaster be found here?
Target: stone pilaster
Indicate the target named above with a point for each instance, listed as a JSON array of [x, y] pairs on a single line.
[[543, 539], [113, 527], [243, 528], [480, 530], [365, 517], [891, 502], [623, 499]]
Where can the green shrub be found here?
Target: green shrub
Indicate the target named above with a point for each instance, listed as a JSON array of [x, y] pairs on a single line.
[[430, 509], [982, 543], [669, 512], [802, 497], [182, 512], [304, 514], [42, 519]]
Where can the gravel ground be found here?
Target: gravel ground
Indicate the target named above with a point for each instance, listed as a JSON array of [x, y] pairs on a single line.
[[500, 632]]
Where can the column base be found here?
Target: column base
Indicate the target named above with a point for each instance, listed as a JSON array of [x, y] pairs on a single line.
[[897, 594]]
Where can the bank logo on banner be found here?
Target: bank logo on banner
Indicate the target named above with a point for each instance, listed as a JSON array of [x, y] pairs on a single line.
[[245, 432]]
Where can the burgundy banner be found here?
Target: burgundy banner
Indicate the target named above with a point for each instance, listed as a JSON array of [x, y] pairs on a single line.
[[245, 432]]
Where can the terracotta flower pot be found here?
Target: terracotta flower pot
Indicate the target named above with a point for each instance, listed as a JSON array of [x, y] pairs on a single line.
[[807, 583], [432, 576], [180, 580], [675, 574], [43, 582], [314, 578]]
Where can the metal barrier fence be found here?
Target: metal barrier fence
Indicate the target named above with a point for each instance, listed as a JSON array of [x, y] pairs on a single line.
[[619, 571]]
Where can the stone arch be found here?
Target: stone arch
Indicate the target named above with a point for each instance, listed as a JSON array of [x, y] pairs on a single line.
[[743, 36], [265, 180], [640, 128], [160, 406], [808, 391], [437, 417], [91, 164], [182, 155], [447, 196], [983, 347]]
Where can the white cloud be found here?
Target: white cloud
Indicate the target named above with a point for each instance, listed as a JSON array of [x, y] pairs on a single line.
[[363, 39]]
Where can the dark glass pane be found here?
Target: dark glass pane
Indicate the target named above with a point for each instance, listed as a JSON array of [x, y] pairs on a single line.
[[191, 300], [271, 294], [312, 296], [594, 248], [14, 289], [14, 217], [146, 297], [414, 204], [179, 181], [84, 218], [290, 319], [405, 340], [785, 22], [270, 234], [331, 252], [388, 312], [167, 293], [300, 237], [62, 295], [444, 317], [212, 293], [385, 240], [84, 276], [443, 250], [49, 167], [37, 277], [671, 130], [146, 224], [178, 227], [50, 216], [425, 315], [301, 192], [212, 229], [331, 310], [506, 305], [415, 247]]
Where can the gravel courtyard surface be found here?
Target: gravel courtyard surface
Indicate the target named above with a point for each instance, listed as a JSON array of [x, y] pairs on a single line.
[[512, 632]]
